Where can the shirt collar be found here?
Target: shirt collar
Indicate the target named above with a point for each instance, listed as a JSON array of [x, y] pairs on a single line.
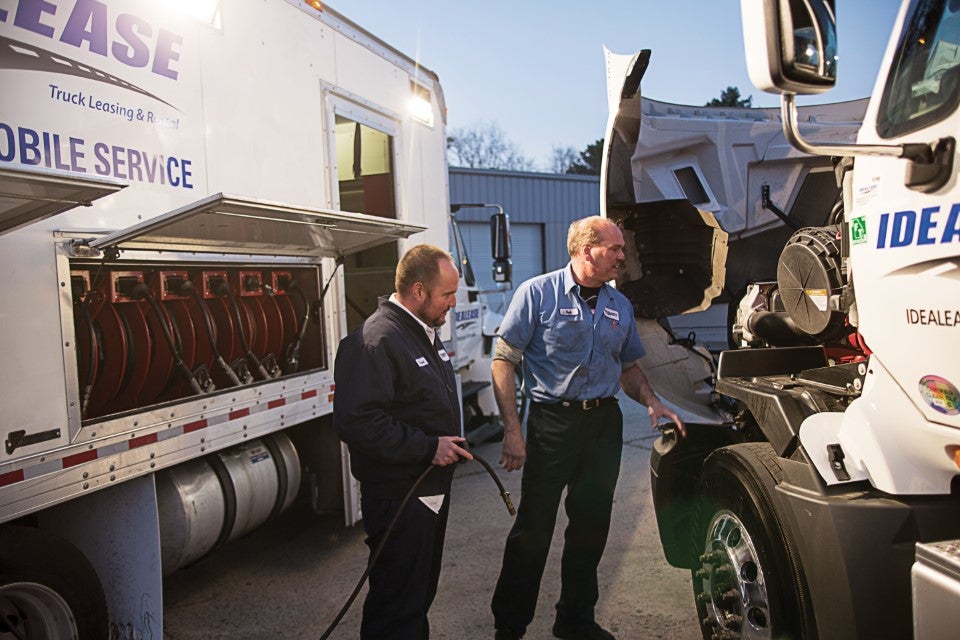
[[566, 279], [430, 331]]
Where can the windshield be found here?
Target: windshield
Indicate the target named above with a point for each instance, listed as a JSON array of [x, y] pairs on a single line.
[[923, 86]]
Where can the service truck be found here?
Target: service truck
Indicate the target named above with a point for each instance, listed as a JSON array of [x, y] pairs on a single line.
[[198, 199], [817, 492]]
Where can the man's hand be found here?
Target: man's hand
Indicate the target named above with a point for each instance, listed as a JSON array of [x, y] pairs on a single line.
[[514, 451], [635, 383], [450, 451], [659, 410]]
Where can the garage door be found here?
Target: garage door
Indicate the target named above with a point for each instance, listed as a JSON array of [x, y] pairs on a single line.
[[527, 249]]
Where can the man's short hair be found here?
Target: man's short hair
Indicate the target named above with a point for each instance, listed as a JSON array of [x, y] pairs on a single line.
[[420, 264], [586, 231]]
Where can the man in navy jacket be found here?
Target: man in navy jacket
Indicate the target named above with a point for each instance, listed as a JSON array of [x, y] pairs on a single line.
[[397, 409]]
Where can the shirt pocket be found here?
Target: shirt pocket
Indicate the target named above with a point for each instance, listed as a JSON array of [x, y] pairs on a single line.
[[567, 342], [610, 335]]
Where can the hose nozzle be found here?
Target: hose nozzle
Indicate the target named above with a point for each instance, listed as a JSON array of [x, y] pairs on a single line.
[[507, 501]]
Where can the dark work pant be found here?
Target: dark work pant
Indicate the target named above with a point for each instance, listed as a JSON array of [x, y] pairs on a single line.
[[580, 451], [404, 579]]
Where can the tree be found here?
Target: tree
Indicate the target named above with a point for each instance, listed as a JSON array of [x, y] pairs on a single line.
[[586, 162], [484, 146], [562, 158], [730, 97]]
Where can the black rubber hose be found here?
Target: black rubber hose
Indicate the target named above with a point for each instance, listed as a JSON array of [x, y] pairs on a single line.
[[251, 357], [92, 356], [211, 333], [142, 292], [504, 494]]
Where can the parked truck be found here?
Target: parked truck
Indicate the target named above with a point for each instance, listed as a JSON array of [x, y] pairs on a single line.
[[817, 493], [197, 201]]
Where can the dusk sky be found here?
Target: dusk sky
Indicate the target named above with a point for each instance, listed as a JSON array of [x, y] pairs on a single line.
[[536, 68]]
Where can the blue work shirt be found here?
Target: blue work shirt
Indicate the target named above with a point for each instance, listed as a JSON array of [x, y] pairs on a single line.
[[569, 352]]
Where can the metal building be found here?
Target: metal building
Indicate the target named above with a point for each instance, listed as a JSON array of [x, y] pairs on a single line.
[[541, 207]]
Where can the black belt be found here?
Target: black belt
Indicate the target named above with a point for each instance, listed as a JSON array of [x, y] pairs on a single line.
[[582, 405]]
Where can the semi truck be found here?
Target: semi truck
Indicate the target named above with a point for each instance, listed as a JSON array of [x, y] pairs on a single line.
[[817, 492], [197, 201]]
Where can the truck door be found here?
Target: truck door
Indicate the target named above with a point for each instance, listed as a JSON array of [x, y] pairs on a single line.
[[366, 183]]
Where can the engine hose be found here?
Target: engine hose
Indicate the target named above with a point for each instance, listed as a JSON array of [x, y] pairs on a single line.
[[504, 495]]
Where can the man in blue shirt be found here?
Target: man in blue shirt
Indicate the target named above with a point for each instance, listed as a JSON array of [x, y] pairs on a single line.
[[579, 345]]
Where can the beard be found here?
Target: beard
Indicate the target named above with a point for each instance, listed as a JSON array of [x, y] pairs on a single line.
[[437, 322]]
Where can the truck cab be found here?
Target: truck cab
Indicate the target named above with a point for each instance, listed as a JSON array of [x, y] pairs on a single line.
[[818, 483]]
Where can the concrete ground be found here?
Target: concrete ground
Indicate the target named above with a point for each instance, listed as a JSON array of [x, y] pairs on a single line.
[[289, 578]]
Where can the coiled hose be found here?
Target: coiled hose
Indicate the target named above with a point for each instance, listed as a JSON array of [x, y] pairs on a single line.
[[504, 495]]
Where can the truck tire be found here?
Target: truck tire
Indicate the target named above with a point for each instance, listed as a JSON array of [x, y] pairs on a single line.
[[748, 582], [48, 589]]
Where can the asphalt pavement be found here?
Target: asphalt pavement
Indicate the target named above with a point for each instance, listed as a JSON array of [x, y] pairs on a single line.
[[289, 578]]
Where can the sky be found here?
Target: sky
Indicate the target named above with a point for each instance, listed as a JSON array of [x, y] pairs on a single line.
[[536, 69]]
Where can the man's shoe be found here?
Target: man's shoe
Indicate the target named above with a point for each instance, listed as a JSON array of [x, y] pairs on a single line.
[[507, 634], [582, 631]]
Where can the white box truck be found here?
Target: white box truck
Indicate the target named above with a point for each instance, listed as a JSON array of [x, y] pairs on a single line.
[[197, 201], [817, 493]]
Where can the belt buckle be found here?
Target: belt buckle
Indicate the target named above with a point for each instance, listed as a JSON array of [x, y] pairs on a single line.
[[591, 404]]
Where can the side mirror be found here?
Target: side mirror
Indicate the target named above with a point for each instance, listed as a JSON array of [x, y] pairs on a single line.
[[790, 45], [500, 247]]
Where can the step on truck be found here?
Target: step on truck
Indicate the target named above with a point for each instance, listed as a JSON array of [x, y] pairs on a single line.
[[197, 201], [817, 493]]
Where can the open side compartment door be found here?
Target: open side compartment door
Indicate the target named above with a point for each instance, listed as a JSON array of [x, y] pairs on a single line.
[[236, 225], [31, 194]]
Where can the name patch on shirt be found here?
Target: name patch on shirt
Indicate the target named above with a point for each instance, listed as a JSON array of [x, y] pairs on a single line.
[[443, 355], [421, 361], [611, 313], [573, 311]]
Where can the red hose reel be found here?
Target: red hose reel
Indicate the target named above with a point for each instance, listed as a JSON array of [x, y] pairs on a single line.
[[143, 335]]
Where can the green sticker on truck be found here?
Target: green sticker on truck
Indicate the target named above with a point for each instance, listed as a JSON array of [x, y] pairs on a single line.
[[858, 230]]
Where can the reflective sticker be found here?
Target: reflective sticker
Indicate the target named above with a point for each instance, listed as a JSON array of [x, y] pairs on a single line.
[[940, 394], [421, 361]]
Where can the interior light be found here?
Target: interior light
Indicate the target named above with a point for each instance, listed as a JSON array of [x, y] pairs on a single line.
[[421, 107], [206, 11]]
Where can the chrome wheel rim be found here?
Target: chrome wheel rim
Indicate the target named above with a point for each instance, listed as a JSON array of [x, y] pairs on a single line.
[[733, 588]]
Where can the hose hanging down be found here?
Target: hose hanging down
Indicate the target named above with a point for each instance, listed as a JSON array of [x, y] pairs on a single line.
[[504, 495]]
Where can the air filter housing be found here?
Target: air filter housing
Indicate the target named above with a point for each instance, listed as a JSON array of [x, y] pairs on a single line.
[[810, 280]]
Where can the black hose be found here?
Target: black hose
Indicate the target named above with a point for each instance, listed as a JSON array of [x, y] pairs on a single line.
[[92, 356], [142, 292], [504, 494], [211, 332], [251, 357]]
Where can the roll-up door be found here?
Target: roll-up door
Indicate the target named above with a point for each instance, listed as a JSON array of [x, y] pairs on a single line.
[[526, 246]]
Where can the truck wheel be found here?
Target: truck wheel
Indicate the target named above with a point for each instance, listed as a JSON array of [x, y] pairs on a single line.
[[48, 590], [748, 583]]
